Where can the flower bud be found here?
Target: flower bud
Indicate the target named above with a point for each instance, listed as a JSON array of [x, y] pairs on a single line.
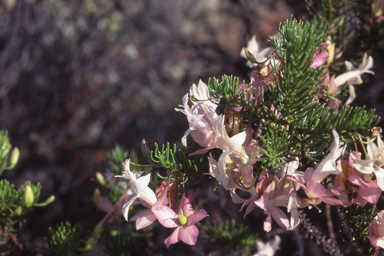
[[376, 131], [145, 149], [90, 244], [331, 50], [18, 211], [183, 220], [98, 229], [100, 179], [14, 157], [28, 196], [5, 145]]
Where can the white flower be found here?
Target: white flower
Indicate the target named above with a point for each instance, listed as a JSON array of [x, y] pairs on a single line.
[[374, 161], [139, 186], [328, 165], [353, 75], [269, 248], [233, 145], [254, 48]]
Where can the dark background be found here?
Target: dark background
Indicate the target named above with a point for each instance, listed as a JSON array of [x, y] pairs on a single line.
[[79, 77]]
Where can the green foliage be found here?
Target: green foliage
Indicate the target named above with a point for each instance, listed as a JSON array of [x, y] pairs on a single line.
[[228, 234], [64, 240], [5, 148], [116, 157], [350, 22], [11, 199], [299, 125], [119, 243], [173, 158], [354, 227]]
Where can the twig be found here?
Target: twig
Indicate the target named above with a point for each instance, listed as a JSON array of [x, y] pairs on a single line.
[[320, 239]]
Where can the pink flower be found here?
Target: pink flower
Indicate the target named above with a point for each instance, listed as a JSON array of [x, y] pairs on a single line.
[[319, 58], [342, 187], [376, 232], [200, 117], [270, 201], [270, 198], [113, 210], [369, 189], [330, 86], [184, 220], [316, 191]]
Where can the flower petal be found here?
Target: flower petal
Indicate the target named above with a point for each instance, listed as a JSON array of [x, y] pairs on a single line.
[[144, 219], [188, 234], [196, 217], [280, 217], [268, 224], [364, 166], [185, 207], [380, 178], [166, 216], [127, 205], [371, 194], [173, 238], [315, 189], [319, 59]]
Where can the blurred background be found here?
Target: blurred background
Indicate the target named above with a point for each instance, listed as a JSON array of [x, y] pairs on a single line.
[[79, 77]]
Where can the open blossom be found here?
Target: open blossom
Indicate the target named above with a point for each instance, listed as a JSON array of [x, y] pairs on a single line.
[[270, 198], [200, 117], [230, 179], [184, 221], [353, 75], [376, 232], [254, 48], [328, 165], [146, 196], [229, 145], [345, 187], [368, 189], [374, 161], [274, 197], [316, 192], [269, 248]]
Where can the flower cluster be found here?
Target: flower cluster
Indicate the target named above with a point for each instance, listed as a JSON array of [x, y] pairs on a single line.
[[162, 205], [244, 155], [333, 181]]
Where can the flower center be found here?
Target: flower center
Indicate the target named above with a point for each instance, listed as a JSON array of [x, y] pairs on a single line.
[[183, 220]]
